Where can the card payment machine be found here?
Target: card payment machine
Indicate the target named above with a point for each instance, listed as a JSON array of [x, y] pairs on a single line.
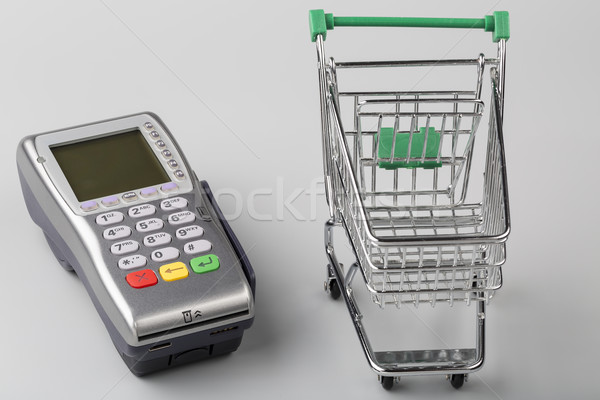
[[119, 204]]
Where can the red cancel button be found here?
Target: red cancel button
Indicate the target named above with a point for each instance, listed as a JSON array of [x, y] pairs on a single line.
[[142, 279]]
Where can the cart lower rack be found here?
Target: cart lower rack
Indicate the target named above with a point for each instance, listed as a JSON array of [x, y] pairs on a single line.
[[398, 182]]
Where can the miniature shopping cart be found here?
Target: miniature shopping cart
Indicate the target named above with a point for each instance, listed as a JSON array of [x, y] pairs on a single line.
[[398, 165]]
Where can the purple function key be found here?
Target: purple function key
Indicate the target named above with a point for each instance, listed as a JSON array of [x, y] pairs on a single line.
[[148, 192], [110, 201], [89, 205], [167, 187]]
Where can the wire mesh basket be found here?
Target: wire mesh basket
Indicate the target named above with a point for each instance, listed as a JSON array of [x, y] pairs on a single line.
[[399, 180]]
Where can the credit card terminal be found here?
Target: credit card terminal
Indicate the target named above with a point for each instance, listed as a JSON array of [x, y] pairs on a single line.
[[119, 204]]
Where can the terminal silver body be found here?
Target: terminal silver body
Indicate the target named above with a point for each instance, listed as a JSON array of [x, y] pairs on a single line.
[[149, 326]]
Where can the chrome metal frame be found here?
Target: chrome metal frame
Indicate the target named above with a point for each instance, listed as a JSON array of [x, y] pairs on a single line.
[[415, 245]]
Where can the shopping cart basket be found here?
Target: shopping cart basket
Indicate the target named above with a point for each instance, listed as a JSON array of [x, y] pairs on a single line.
[[397, 167]]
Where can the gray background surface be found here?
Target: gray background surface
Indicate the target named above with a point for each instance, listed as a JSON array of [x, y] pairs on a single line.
[[236, 84]]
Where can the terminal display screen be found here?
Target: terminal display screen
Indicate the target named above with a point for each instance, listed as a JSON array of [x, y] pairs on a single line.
[[109, 165]]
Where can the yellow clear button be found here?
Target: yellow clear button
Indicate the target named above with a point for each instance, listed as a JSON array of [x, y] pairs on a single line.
[[173, 271]]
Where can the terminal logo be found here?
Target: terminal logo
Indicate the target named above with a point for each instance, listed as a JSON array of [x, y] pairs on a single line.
[[187, 316]]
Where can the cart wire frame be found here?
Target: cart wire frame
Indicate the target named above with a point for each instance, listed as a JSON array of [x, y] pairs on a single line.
[[415, 245]]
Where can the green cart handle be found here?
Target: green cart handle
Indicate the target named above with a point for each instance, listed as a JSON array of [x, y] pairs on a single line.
[[497, 23]]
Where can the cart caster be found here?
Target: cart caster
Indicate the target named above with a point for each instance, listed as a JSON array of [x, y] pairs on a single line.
[[387, 382], [457, 380], [331, 284], [332, 287]]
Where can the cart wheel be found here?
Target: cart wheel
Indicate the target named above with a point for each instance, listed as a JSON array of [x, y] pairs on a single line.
[[387, 382], [334, 289], [457, 380]]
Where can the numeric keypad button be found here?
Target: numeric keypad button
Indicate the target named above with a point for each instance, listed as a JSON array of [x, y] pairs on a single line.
[[141, 211], [180, 218], [149, 225], [189, 232], [118, 232], [132, 262], [157, 239], [124, 247], [109, 218], [197, 246], [165, 254], [174, 203]]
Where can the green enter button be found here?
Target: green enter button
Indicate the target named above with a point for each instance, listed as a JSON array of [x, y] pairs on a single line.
[[203, 264]]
